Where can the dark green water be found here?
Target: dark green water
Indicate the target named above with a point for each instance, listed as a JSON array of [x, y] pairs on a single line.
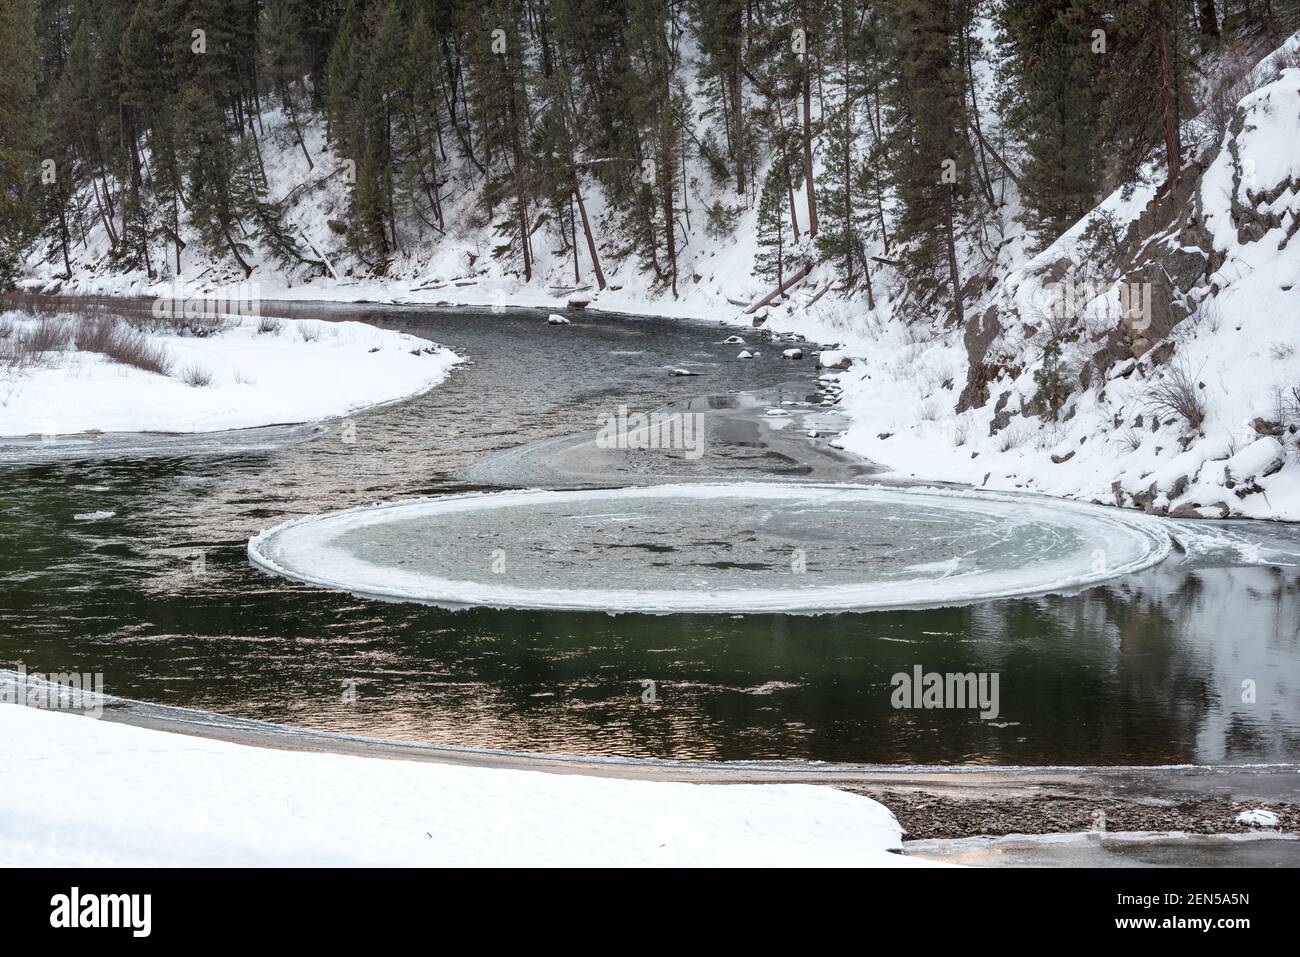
[[1147, 669]]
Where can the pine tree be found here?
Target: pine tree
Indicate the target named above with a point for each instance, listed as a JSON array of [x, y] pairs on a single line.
[[770, 262], [842, 195], [19, 134], [207, 158], [284, 60], [1051, 103], [931, 164], [720, 28], [1145, 85]]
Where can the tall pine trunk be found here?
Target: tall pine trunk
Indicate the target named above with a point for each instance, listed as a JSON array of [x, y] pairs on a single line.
[[1167, 105], [807, 136]]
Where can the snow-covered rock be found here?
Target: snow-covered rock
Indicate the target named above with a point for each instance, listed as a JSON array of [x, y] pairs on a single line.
[[1261, 458], [1259, 817], [834, 359]]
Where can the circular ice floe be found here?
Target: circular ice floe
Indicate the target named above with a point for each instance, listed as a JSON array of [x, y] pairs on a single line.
[[742, 547]]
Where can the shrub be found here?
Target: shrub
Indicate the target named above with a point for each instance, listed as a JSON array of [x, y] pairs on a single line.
[[196, 376], [1012, 437], [117, 341], [49, 335], [269, 324], [1178, 395], [1054, 385]]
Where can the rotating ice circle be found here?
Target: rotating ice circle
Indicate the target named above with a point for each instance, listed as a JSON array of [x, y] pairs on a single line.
[[740, 547]]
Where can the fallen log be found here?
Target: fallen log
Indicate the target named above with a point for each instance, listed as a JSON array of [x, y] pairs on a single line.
[[780, 290]]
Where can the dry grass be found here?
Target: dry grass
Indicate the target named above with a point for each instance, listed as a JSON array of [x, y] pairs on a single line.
[[196, 376], [12, 356], [25, 346], [49, 335], [1178, 395], [115, 340], [1288, 409], [1233, 77], [1131, 438], [1012, 437], [269, 324]]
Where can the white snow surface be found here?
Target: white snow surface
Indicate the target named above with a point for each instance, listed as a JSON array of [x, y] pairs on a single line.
[[79, 792], [300, 371], [1258, 817]]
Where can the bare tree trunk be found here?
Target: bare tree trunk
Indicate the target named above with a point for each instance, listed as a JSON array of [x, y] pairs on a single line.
[[521, 195], [63, 232], [1209, 23], [797, 277], [789, 187], [807, 136], [586, 231], [234, 250], [573, 238], [738, 104], [286, 99], [668, 174], [982, 171], [1167, 109], [953, 274]]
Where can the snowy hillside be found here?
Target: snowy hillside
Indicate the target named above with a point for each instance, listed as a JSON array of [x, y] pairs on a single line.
[[1188, 406], [1047, 381]]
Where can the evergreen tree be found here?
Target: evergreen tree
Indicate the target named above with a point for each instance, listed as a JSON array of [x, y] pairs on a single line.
[[19, 134], [931, 164], [1050, 99], [284, 60], [770, 262]]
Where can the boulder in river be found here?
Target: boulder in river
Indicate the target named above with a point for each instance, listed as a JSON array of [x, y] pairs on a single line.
[[556, 319], [834, 359]]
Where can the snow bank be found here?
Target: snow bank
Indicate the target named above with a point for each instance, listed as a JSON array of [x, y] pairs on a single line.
[[79, 792], [291, 371]]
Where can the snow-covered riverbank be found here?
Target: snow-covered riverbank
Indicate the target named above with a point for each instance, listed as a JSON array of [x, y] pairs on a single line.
[[244, 372], [80, 792]]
